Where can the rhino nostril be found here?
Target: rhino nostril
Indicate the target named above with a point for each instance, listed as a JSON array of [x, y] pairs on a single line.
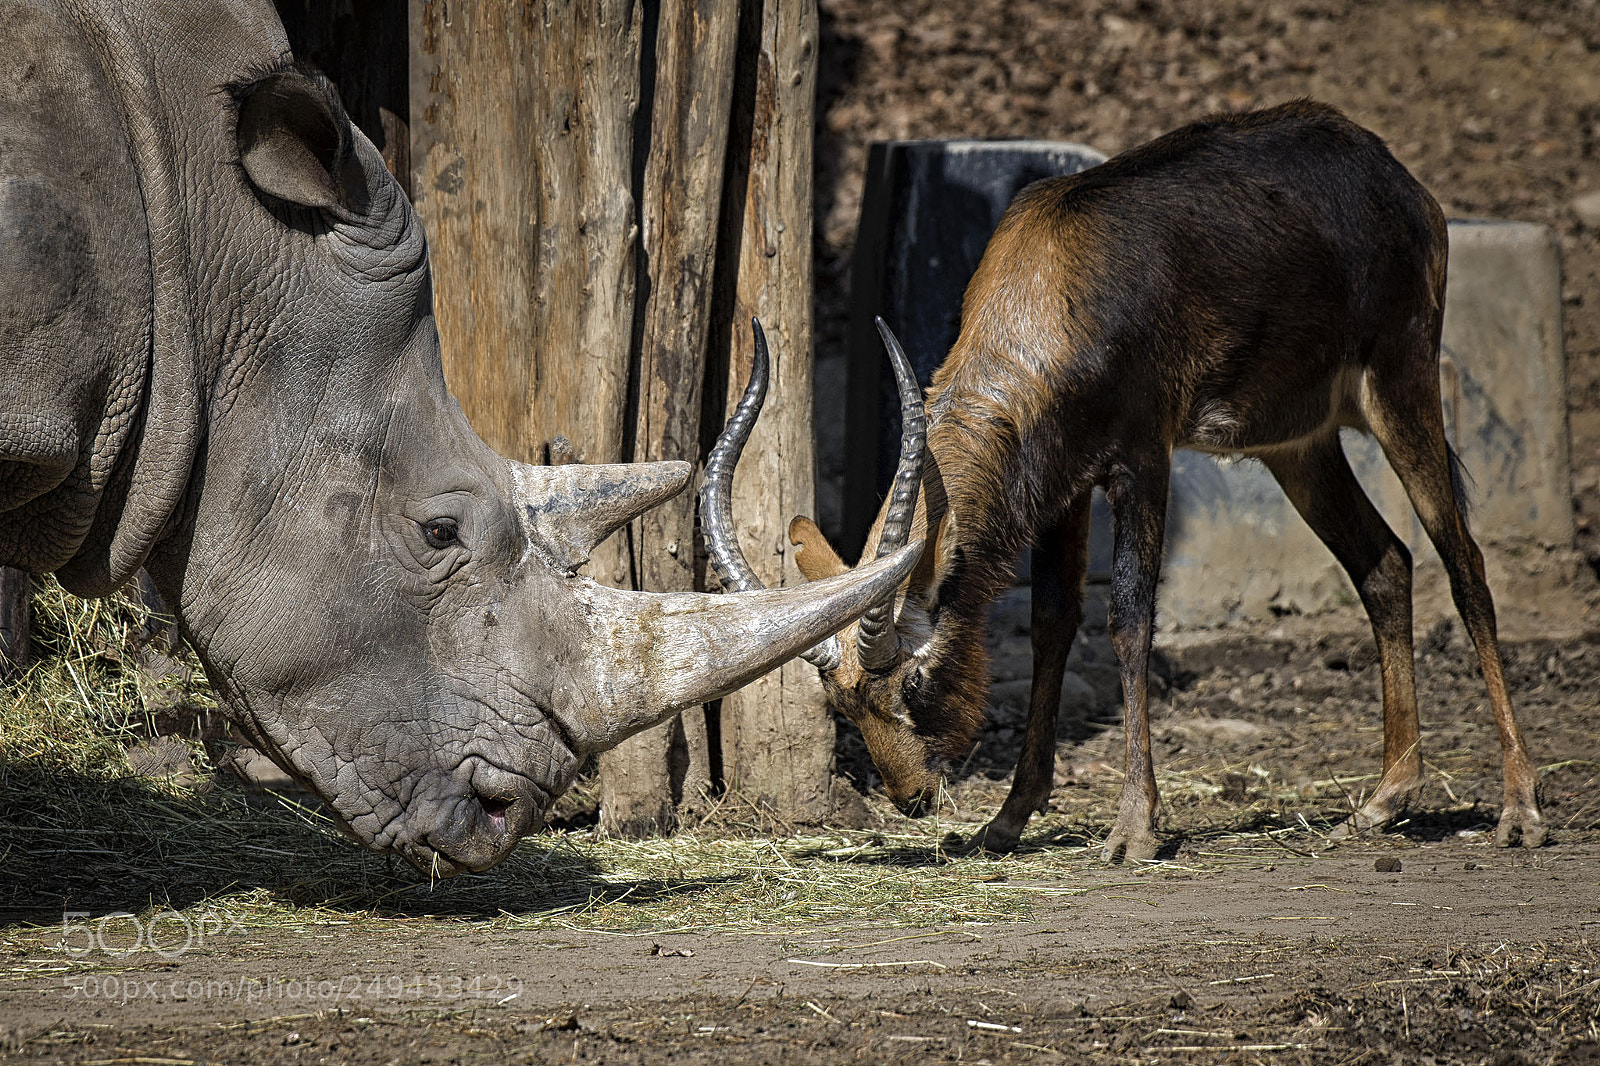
[[495, 808]]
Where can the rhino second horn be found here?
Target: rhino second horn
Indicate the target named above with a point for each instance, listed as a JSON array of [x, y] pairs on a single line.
[[668, 651], [569, 509]]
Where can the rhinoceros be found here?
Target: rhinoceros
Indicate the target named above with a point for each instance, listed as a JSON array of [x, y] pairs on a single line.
[[218, 360]]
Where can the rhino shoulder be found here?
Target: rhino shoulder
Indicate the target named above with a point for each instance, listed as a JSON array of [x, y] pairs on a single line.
[[75, 274]]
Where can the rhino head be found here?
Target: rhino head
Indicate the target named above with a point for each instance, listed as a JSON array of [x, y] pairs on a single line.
[[388, 608]]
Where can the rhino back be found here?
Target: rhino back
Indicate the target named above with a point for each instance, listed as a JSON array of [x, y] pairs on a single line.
[[75, 315]]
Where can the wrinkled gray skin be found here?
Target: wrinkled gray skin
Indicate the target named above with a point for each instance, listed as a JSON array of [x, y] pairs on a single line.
[[218, 359]]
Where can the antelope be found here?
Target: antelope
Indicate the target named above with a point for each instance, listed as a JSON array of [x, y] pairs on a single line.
[[1245, 286]]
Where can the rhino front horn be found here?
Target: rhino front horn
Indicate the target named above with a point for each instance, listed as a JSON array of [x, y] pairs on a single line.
[[668, 651]]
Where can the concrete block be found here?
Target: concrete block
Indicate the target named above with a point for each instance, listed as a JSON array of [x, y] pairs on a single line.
[[1504, 377], [1237, 550], [1587, 208]]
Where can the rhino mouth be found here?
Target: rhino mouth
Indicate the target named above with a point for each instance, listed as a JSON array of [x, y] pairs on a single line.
[[463, 814], [480, 826], [494, 808], [456, 830]]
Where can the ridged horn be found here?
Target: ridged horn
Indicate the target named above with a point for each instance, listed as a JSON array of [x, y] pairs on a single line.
[[569, 509], [662, 652], [726, 558], [875, 637]]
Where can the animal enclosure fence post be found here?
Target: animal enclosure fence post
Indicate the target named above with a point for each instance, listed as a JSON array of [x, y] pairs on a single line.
[[778, 733], [572, 164], [522, 171], [643, 780]]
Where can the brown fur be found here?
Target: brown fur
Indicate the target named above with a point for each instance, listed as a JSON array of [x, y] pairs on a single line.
[[816, 558], [1247, 284]]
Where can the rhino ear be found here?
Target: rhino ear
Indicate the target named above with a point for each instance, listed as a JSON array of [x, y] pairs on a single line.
[[295, 140]]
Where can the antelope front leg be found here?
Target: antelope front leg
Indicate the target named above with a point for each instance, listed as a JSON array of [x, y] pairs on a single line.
[[1030, 787], [1060, 561], [1139, 510], [1402, 738]]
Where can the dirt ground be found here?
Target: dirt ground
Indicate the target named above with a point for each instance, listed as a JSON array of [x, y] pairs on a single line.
[[1454, 953], [1254, 939]]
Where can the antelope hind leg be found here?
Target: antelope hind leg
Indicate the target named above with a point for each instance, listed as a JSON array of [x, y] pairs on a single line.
[[1317, 479], [1411, 430]]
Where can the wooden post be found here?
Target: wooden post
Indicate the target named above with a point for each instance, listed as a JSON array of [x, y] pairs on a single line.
[[526, 158], [683, 152], [522, 172], [778, 734], [16, 593]]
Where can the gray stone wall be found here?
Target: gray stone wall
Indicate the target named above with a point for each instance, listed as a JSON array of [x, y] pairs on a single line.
[[1237, 550]]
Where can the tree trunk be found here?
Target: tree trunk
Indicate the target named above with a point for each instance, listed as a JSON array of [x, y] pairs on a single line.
[[683, 152], [778, 734]]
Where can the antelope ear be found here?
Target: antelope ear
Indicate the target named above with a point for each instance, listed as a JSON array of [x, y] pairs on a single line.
[[816, 558], [938, 562]]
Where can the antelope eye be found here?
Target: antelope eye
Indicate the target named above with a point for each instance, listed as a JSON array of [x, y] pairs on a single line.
[[441, 532]]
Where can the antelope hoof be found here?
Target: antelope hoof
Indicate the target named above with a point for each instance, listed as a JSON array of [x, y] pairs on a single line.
[[1360, 823], [1386, 805], [1130, 845], [1520, 820], [989, 839]]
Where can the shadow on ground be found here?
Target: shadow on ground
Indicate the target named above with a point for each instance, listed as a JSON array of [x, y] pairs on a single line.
[[76, 842]]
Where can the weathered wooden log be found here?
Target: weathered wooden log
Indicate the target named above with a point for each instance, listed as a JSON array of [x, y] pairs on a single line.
[[522, 171], [525, 161], [683, 153], [777, 733]]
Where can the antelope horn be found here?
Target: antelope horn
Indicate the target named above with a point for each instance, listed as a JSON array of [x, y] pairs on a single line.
[[716, 497], [875, 638]]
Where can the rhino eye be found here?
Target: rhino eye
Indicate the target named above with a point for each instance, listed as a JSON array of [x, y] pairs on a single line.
[[441, 532]]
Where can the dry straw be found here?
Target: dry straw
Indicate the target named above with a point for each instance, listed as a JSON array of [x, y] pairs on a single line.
[[80, 829]]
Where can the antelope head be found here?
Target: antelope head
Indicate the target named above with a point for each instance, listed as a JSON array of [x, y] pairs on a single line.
[[878, 671]]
